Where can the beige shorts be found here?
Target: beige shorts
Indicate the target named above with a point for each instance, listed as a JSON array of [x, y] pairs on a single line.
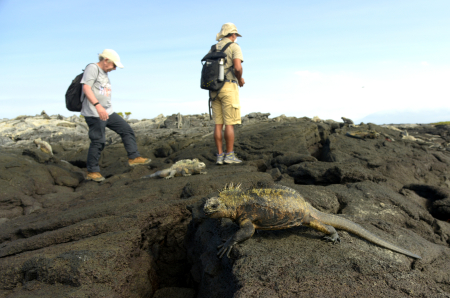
[[226, 107]]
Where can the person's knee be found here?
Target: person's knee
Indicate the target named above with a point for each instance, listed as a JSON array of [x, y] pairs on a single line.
[[97, 135], [97, 144], [125, 129], [126, 132], [229, 128], [95, 139], [218, 134]]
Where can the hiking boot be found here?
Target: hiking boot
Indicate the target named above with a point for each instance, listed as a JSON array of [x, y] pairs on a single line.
[[95, 176], [139, 161], [231, 158], [220, 158]]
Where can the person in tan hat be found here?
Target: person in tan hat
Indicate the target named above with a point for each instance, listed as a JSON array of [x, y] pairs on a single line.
[[226, 107], [98, 113]]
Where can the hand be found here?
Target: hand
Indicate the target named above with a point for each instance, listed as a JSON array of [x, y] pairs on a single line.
[[102, 113], [241, 82]]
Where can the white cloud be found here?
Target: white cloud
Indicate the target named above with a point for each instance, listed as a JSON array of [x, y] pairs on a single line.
[[330, 95], [424, 63]]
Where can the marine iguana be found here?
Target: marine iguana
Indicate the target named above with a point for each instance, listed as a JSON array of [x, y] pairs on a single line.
[[277, 208], [184, 167], [44, 146], [347, 121]]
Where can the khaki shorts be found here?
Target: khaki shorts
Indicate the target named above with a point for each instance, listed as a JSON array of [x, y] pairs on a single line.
[[226, 107]]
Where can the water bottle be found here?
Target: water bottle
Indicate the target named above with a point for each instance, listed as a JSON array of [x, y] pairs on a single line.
[[221, 70]]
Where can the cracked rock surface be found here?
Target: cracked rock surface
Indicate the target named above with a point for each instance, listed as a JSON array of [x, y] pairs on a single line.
[[62, 236]]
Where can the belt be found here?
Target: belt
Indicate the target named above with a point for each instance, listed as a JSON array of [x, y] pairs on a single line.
[[231, 81]]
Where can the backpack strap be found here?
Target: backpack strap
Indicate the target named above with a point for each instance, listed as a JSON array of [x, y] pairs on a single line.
[[214, 47], [232, 66], [98, 73], [95, 78], [226, 46], [222, 50]]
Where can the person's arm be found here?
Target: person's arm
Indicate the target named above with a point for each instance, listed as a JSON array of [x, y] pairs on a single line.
[[238, 71], [91, 97]]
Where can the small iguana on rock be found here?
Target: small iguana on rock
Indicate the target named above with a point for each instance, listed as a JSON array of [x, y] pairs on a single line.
[[44, 146], [184, 167], [44, 114], [277, 208], [347, 121]]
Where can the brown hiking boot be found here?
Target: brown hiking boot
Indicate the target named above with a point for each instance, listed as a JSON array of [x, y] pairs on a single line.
[[139, 161], [95, 176]]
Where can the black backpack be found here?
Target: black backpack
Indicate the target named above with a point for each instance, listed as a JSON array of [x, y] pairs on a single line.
[[73, 93], [210, 71]]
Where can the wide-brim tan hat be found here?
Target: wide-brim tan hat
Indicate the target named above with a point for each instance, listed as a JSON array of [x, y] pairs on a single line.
[[227, 29], [113, 56]]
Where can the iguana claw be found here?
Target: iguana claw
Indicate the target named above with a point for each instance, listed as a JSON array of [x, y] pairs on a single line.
[[225, 248], [333, 238]]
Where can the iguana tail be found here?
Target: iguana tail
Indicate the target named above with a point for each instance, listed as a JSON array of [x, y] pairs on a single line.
[[156, 174], [347, 225]]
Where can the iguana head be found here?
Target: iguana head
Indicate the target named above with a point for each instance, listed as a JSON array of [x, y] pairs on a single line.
[[225, 204], [214, 208], [199, 166]]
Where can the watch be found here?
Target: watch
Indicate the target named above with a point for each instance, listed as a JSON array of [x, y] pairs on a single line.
[[97, 103]]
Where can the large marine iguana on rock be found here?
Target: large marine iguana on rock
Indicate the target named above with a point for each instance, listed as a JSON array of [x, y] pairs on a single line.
[[184, 167], [276, 208]]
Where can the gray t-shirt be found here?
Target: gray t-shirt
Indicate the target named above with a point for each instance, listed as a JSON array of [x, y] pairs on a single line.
[[95, 77]]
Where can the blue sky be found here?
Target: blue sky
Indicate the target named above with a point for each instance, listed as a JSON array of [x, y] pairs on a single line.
[[301, 58]]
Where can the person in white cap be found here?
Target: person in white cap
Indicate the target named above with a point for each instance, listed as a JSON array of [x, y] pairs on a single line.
[[226, 107], [98, 113]]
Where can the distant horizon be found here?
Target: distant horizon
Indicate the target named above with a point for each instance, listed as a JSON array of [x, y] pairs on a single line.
[[394, 114]]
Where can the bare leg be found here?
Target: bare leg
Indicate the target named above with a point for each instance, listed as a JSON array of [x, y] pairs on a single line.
[[229, 137], [218, 137]]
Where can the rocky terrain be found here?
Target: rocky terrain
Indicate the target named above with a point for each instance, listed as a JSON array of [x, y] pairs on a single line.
[[61, 236]]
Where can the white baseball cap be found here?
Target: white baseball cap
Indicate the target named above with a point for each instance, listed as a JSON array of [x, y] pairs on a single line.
[[113, 56]]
